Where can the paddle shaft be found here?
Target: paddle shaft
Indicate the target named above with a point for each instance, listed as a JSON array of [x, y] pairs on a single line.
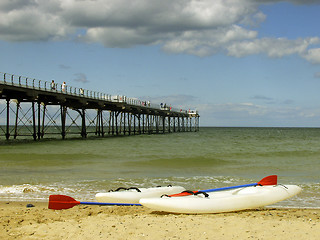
[[111, 204], [227, 188]]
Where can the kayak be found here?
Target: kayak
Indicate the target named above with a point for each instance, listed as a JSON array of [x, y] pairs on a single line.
[[133, 195], [223, 201]]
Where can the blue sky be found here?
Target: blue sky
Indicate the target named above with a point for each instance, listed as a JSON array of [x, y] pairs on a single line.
[[239, 63]]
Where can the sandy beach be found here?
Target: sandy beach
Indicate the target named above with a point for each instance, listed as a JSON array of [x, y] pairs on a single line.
[[100, 222]]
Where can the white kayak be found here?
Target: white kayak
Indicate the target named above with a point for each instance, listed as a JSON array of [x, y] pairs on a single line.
[[223, 201], [133, 195]]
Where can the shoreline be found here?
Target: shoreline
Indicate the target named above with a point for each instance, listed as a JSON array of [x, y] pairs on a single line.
[[113, 222]]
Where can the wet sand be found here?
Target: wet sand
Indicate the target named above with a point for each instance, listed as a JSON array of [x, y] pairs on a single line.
[[111, 222]]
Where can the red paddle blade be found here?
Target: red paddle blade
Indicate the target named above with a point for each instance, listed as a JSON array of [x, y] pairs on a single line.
[[270, 180], [58, 202]]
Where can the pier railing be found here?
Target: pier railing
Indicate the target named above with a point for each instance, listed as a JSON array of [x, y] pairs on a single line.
[[32, 83]]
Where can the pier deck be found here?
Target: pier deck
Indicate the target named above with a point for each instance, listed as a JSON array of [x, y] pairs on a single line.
[[37, 108]]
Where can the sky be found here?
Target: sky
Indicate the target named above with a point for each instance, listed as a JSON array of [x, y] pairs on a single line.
[[240, 63]]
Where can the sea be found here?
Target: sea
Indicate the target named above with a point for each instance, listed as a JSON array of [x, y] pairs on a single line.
[[212, 157]]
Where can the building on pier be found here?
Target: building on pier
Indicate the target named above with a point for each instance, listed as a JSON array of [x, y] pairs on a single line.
[[40, 108]]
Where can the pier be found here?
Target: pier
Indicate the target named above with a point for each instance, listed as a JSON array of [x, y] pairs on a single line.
[[38, 109]]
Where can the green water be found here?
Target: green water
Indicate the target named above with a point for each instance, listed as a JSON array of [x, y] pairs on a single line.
[[213, 157]]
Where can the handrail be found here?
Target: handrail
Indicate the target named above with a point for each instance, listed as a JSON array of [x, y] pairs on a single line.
[[57, 87]]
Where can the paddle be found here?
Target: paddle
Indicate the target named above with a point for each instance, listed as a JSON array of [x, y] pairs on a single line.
[[269, 180], [58, 202]]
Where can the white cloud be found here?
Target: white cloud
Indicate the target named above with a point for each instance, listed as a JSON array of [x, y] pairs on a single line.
[[30, 21], [197, 27], [153, 14], [313, 55], [117, 23], [273, 47], [250, 115], [254, 20], [169, 23], [247, 109], [207, 42], [119, 37]]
